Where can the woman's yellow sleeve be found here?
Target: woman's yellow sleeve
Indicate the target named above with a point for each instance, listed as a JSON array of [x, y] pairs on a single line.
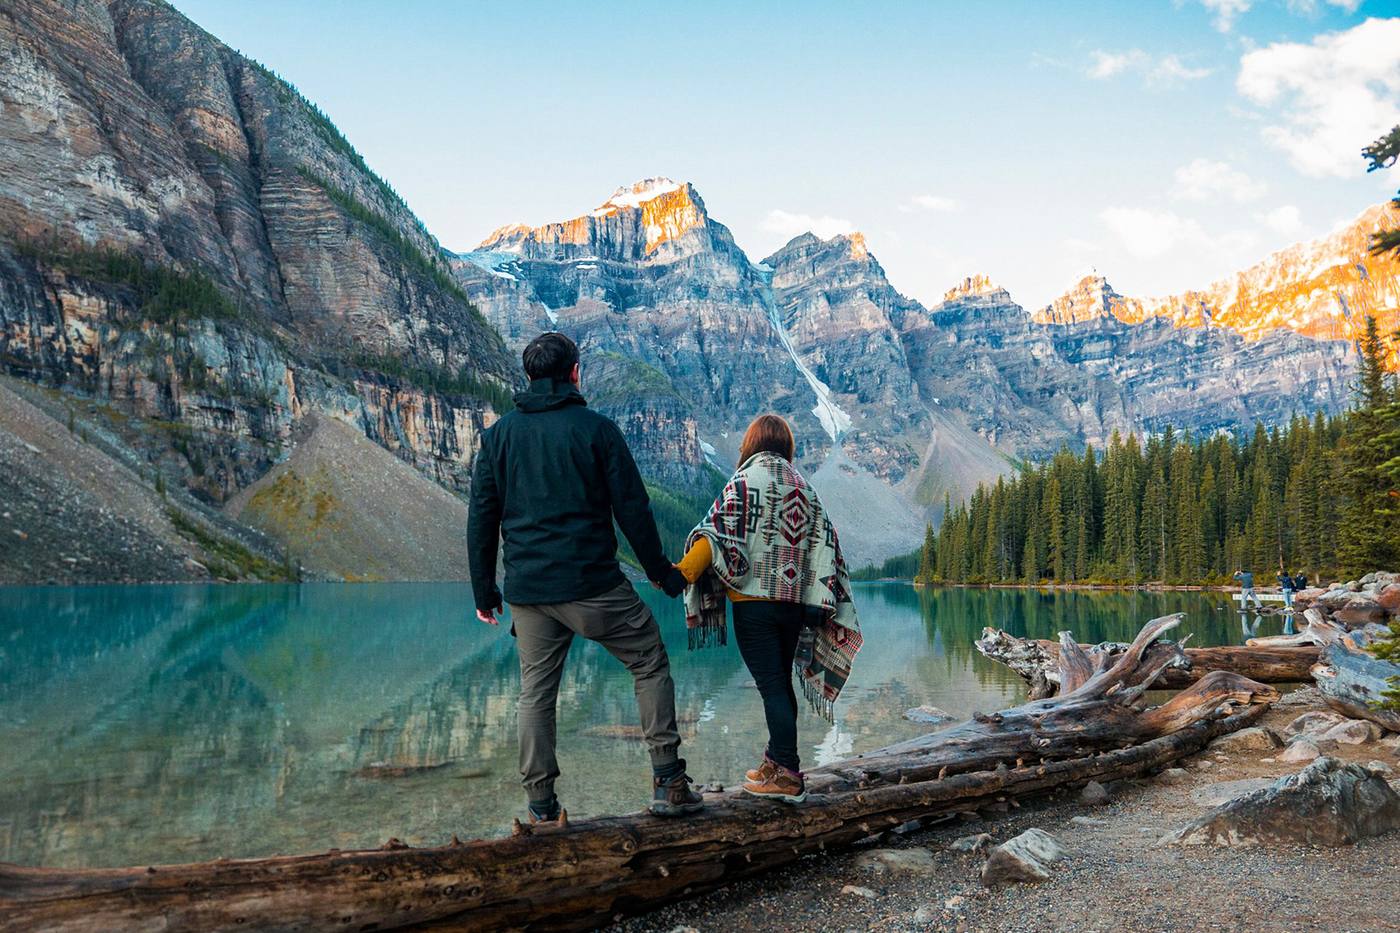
[[696, 560]]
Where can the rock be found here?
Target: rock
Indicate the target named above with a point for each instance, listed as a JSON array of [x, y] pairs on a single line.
[[856, 890], [1303, 696], [1093, 794], [682, 928], [1353, 732], [924, 915], [928, 714], [1300, 749], [1328, 803], [1359, 610], [1389, 598], [1173, 776], [1205, 764], [1257, 738], [1087, 821], [1379, 767], [913, 861], [978, 843], [954, 903], [1313, 723], [1391, 743], [1026, 857], [1213, 795]]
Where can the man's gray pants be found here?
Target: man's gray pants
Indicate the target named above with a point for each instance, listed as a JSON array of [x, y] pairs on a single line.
[[620, 622]]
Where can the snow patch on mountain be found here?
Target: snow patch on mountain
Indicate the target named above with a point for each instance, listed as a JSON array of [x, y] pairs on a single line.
[[833, 418], [634, 196]]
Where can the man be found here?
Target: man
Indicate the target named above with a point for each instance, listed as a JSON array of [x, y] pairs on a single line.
[[550, 479], [1247, 593], [1285, 583]]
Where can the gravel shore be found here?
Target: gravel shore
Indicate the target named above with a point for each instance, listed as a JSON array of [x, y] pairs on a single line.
[[1116, 878]]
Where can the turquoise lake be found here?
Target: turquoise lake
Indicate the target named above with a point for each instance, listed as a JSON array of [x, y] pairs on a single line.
[[151, 724]]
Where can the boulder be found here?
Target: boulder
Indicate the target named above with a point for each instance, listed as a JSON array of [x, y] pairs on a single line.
[[978, 843], [1389, 598], [1213, 795], [1380, 767], [909, 861], [1255, 739], [1027, 857], [928, 714], [1328, 803], [1303, 696], [1359, 610], [1300, 749], [1093, 794], [1353, 732], [1313, 723]]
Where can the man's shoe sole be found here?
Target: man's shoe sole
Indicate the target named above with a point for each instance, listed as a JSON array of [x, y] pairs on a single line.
[[670, 809], [785, 798]]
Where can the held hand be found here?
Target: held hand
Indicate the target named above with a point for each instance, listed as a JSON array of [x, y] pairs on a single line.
[[488, 616]]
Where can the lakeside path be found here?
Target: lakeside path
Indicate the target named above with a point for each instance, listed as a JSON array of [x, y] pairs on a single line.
[[1116, 878]]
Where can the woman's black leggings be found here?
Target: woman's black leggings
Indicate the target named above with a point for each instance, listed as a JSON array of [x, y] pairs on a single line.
[[767, 633]]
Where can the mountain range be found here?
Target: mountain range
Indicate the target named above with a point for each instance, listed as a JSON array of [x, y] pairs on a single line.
[[194, 261]]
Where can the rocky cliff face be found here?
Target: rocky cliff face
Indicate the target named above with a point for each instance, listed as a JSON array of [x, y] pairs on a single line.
[[1322, 289], [184, 235], [926, 400]]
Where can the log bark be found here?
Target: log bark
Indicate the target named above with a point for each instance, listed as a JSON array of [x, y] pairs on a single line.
[[1038, 660], [1351, 680], [590, 872]]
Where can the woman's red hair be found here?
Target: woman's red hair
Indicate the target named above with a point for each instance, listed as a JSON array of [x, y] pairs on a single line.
[[769, 433]]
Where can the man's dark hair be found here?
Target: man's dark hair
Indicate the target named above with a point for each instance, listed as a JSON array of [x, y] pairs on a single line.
[[550, 356]]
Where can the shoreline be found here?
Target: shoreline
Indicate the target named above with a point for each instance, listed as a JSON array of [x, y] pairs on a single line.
[[1105, 587]]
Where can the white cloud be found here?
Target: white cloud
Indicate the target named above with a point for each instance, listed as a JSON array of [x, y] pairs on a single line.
[[1284, 219], [1330, 97], [1309, 7], [1155, 70], [790, 225], [1207, 180], [929, 202], [1148, 234], [1226, 12]]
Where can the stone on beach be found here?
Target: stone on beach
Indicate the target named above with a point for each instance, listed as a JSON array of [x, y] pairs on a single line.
[[977, 843], [1257, 738], [1093, 794], [1300, 749], [1027, 857], [1353, 732], [1328, 803], [914, 861], [1312, 723]]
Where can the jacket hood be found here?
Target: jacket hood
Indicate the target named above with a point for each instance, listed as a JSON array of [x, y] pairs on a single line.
[[547, 395]]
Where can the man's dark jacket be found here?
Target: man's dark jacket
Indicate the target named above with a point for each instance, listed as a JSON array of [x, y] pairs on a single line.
[[549, 479]]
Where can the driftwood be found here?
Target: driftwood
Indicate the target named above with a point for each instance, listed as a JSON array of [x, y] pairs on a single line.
[[591, 871], [1038, 660], [1350, 679]]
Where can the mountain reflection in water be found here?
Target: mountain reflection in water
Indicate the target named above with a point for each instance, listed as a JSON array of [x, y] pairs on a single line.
[[172, 723]]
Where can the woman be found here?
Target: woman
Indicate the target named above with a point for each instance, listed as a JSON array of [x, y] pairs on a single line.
[[768, 546]]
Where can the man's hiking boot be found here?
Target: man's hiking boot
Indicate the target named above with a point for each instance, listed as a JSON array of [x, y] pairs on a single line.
[[673, 796], [782, 784], [763, 773]]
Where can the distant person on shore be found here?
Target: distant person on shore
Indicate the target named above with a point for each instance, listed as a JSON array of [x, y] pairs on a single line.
[[550, 479], [1300, 583], [1247, 593], [1285, 583], [768, 545]]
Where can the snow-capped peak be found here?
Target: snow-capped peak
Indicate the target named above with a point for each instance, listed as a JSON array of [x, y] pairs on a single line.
[[632, 196]]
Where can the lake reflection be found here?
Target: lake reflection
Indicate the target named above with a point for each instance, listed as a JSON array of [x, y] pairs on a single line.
[[175, 723]]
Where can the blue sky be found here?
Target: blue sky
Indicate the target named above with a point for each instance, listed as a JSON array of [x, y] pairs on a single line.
[[1164, 144]]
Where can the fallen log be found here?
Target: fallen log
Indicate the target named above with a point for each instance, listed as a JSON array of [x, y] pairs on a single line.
[[1037, 660], [1317, 631], [589, 872], [1352, 681]]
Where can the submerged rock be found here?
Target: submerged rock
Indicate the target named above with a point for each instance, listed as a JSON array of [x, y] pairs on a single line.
[[1027, 857], [928, 714], [1328, 803]]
